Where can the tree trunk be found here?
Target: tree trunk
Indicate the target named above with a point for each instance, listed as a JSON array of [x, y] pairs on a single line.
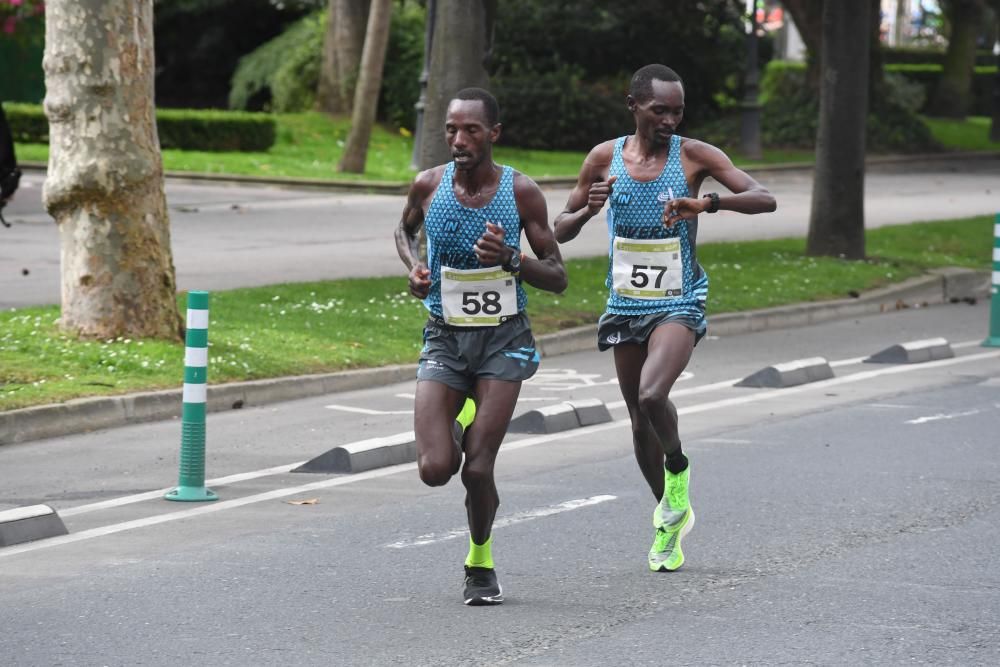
[[954, 88], [837, 220], [806, 14], [463, 38], [342, 45], [369, 83], [876, 69], [105, 177]]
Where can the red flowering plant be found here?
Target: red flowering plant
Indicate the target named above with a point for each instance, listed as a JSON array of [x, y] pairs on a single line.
[[13, 12]]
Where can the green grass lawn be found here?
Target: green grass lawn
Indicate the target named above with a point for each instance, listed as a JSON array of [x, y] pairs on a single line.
[[971, 134], [327, 326], [309, 145]]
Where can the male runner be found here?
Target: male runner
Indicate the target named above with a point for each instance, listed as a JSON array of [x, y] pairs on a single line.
[[477, 340], [655, 312]]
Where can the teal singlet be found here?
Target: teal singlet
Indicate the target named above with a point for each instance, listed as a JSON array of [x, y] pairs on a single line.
[[635, 212], [453, 229]]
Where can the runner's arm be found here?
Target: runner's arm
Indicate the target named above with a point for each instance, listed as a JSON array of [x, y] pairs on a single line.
[[546, 270], [592, 189], [747, 195], [408, 233]]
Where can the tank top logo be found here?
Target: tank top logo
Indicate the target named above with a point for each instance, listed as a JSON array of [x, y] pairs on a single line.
[[451, 225], [623, 198]]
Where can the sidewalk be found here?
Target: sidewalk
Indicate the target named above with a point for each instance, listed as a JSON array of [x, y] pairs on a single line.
[[89, 414]]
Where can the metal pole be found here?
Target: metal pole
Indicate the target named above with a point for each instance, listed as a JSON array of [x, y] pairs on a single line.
[[418, 131], [993, 340], [750, 125], [191, 482]]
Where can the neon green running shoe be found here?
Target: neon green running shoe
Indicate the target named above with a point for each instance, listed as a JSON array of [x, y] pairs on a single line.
[[665, 555], [675, 498]]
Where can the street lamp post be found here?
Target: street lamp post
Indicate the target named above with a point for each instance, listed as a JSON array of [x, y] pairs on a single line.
[[750, 125], [995, 125], [418, 131]]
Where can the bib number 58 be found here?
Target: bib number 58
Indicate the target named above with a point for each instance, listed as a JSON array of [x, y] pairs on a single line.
[[487, 303]]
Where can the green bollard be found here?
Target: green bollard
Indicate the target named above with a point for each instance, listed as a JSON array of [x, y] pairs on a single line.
[[191, 483], [994, 338]]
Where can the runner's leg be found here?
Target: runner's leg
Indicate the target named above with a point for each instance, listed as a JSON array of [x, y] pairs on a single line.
[[495, 401], [667, 354], [629, 361], [434, 411]]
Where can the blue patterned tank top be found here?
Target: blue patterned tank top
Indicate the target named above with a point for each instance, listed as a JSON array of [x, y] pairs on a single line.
[[635, 212], [453, 229]]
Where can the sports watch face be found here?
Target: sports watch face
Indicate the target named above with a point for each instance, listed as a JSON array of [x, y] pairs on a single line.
[[514, 264]]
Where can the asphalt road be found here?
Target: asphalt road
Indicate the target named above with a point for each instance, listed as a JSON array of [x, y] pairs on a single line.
[[850, 521], [237, 236]]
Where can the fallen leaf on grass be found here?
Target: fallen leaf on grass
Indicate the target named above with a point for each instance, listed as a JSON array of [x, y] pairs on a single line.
[[310, 501]]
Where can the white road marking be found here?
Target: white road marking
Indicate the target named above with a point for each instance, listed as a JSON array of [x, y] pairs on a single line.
[[508, 447], [520, 517], [727, 441], [367, 411], [940, 416], [152, 495]]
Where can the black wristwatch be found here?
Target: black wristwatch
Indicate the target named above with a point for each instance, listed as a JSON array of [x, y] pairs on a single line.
[[513, 265], [713, 202]]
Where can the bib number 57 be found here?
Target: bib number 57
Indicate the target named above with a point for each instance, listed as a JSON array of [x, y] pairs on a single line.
[[640, 277]]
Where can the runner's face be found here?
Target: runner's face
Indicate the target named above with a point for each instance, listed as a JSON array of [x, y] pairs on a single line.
[[468, 133], [658, 117]]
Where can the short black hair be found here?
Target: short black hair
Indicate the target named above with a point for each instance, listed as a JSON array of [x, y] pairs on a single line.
[[641, 87], [490, 105]]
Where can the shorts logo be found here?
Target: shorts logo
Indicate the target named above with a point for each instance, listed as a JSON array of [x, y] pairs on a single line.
[[614, 338]]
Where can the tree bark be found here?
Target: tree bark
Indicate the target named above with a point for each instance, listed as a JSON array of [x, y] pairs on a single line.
[[807, 14], [342, 46], [837, 220], [105, 177], [954, 89], [463, 39], [369, 83]]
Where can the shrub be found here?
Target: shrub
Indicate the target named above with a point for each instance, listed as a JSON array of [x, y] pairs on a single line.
[[558, 110], [927, 75], [790, 113], [187, 129], [927, 56], [282, 74]]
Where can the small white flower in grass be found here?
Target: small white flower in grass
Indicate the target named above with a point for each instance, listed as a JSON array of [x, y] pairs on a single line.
[[275, 298], [737, 267]]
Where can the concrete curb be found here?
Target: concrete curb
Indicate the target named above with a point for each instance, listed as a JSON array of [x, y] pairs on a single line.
[[401, 187], [89, 414]]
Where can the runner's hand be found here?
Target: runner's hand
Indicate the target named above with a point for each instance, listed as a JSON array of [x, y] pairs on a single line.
[[490, 248], [682, 208], [420, 280], [599, 193]]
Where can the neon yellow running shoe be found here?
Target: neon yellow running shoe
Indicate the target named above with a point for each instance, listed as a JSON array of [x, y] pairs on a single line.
[[665, 555], [673, 518], [675, 499]]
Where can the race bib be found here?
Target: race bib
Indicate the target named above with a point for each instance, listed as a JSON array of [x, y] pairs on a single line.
[[647, 268], [477, 297]]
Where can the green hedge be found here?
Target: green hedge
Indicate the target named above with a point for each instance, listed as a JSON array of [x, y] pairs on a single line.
[[926, 56], [186, 129], [790, 113], [928, 74], [559, 110]]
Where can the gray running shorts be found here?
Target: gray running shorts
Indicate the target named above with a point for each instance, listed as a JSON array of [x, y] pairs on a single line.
[[615, 329], [458, 356]]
